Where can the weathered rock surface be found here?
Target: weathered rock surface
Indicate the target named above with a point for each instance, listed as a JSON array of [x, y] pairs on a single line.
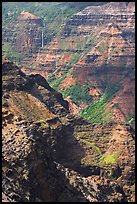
[[25, 34], [97, 46], [49, 155]]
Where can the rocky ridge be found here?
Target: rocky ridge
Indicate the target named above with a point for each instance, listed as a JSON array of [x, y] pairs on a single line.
[[90, 52], [50, 155]]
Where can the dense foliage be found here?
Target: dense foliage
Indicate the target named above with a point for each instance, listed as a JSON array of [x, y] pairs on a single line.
[[78, 92], [96, 112]]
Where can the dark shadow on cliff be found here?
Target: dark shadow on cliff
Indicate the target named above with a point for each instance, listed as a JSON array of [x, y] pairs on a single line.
[[69, 152], [47, 183]]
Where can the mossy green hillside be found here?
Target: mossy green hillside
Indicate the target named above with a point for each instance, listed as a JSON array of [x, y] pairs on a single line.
[[94, 141], [109, 158], [96, 112], [78, 92]]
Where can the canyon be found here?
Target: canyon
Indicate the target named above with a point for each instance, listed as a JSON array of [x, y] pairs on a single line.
[[50, 155], [96, 47], [68, 104]]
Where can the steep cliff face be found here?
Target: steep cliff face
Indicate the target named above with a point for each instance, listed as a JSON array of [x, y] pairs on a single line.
[[112, 11], [50, 155], [106, 39], [97, 48], [29, 34], [51, 25], [24, 36], [112, 28], [111, 62], [29, 129]]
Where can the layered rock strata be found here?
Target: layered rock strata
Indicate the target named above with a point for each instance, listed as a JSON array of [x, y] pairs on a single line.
[[25, 34], [51, 156]]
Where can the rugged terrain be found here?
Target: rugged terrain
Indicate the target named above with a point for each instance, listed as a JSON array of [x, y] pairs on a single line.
[[27, 26], [48, 154], [68, 131], [91, 62]]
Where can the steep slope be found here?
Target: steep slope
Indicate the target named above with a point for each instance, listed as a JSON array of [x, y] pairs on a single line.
[[50, 155], [23, 37], [27, 26], [109, 68], [49, 152], [30, 130], [105, 60], [91, 58]]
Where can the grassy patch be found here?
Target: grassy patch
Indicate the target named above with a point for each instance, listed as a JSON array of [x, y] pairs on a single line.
[[130, 121], [91, 144], [78, 92], [57, 82], [109, 159], [96, 113], [44, 124], [94, 152], [41, 121]]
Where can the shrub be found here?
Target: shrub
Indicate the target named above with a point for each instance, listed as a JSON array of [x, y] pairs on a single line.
[[96, 113], [78, 92], [109, 158]]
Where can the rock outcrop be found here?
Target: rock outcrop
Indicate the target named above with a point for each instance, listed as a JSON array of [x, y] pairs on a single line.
[[48, 155], [25, 34], [98, 46]]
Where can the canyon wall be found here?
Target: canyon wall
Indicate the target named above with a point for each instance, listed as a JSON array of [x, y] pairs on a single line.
[[48, 155], [25, 34], [96, 46]]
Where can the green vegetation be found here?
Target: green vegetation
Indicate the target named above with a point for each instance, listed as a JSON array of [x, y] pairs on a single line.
[[10, 12], [94, 155], [78, 43], [94, 141], [109, 158], [41, 121], [9, 52], [53, 13], [96, 112], [56, 82], [78, 92], [74, 59], [44, 124], [84, 44], [130, 121], [103, 47], [91, 144]]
